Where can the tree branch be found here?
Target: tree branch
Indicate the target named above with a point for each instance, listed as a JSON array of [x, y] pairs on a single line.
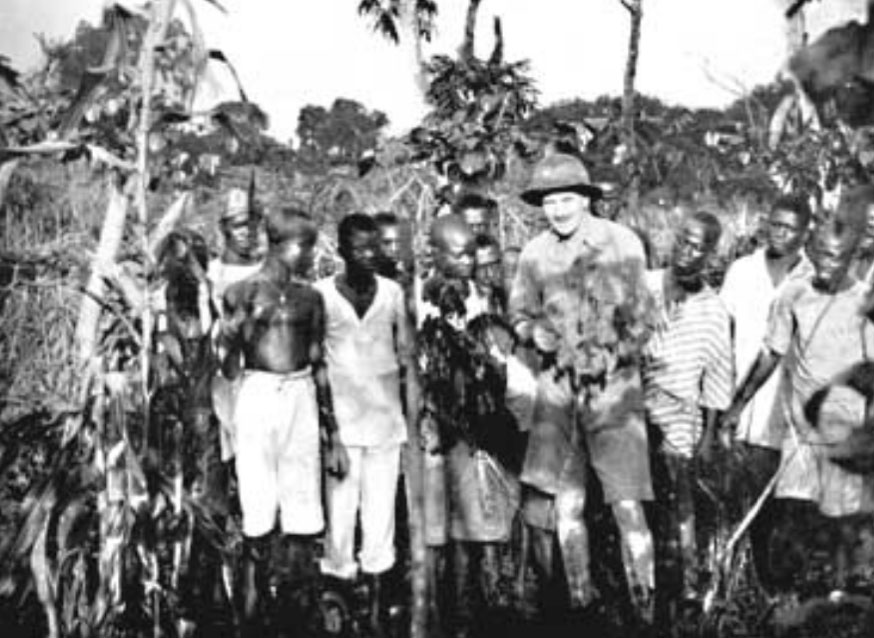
[[497, 56], [794, 8], [52, 147], [631, 5]]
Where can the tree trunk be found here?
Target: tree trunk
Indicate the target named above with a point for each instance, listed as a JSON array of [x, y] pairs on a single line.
[[795, 27], [414, 26], [467, 51], [635, 10], [413, 460], [414, 483]]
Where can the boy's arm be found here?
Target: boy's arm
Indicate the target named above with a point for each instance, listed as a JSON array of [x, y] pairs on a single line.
[[404, 337], [778, 337], [336, 460], [229, 344], [762, 369], [705, 445], [717, 384]]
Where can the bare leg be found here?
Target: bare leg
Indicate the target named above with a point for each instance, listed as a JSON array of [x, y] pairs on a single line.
[[489, 574], [254, 589], [464, 559], [435, 565], [379, 604], [682, 476], [637, 555], [298, 596], [551, 591], [846, 539], [573, 538]]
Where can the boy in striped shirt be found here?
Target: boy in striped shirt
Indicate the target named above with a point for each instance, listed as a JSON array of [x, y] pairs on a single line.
[[687, 381]]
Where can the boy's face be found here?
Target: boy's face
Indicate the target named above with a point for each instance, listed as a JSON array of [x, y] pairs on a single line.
[[831, 260], [390, 243], [454, 255], [477, 219], [489, 268], [691, 250], [511, 264], [785, 233], [362, 251], [296, 252], [241, 235]]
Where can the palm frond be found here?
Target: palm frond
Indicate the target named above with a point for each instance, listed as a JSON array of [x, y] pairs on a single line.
[[218, 5], [9, 78], [384, 17]]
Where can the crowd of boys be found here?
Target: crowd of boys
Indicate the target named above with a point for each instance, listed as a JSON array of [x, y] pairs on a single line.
[[535, 369]]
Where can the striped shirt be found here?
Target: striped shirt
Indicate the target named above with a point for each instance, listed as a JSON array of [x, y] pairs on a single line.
[[689, 364]]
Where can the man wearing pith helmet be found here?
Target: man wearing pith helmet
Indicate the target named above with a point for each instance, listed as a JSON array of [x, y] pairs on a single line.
[[579, 298], [240, 224]]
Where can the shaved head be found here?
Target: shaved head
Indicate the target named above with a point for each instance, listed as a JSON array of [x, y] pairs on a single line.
[[448, 228], [453, 243]]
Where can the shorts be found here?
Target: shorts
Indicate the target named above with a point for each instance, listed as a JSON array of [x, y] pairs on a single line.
[[810, 476], [278, 453], [615, 443], [483, 496]]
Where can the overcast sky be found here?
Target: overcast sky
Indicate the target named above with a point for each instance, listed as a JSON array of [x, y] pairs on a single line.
[[295, 52]]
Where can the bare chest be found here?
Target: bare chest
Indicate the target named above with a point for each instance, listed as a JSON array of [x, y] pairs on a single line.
[[275, 305]]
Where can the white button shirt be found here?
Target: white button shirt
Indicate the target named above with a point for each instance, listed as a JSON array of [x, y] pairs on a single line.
[[748, 293], [362, 356]]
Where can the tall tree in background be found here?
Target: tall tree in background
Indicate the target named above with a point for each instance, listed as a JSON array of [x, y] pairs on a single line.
[[338, 135], [635, 12], [392, 18], [795, 27]]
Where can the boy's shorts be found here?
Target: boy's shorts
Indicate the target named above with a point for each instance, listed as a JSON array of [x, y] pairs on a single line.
[[278, 453]]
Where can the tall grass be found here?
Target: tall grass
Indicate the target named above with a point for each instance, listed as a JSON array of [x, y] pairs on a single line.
[[47, 227]]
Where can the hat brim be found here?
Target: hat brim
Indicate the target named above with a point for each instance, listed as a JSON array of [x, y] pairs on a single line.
[[534, 196]]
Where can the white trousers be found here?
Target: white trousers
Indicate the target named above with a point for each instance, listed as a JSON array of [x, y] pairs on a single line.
[[369, 489], [278, 456]]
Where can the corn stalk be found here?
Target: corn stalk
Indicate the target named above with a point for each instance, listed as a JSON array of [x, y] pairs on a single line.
[[159, 20], [161, 11], [103, 260], [117, 500], [7, 168]]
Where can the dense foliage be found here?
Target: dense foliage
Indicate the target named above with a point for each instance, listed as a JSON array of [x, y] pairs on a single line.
[[86, 511]]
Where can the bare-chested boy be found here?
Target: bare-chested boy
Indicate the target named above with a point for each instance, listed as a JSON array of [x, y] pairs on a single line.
[[273, 333]]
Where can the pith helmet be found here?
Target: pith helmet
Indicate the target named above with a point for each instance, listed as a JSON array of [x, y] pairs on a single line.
[[237, 206], [558, 173]]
